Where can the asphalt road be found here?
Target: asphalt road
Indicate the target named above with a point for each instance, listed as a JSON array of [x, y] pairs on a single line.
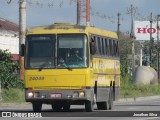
[[147, 108]]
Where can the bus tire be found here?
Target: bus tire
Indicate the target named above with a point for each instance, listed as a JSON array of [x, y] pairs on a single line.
[[107, 104], [110, 99], [99, 106], [114, 97], [89, 105], [37, 107], [103, 105]]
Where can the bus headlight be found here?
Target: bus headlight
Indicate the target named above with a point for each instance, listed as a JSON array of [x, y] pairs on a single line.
[[81, 94], [30, 95]]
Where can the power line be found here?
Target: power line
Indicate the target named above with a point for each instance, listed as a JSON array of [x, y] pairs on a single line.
[[9, 1], [61, 3], [53, 4], [94, 12]]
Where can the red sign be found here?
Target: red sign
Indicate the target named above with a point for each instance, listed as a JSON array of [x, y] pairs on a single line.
[[15, 57]]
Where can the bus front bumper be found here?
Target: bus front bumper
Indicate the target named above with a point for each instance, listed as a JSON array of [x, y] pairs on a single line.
[[56, 95]]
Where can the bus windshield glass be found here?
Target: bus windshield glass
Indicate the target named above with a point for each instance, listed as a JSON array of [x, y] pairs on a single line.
[[72, 51], [40, 51], [45, 51]]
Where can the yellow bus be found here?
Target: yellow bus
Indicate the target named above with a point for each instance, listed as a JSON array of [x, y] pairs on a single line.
[[68, 64]]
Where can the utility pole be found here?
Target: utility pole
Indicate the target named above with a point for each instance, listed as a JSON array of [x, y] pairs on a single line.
[[151, 40], [132, 11], [0, 91], [141, 53], [158, 47], [22, 31], [87, 12], [78, 12], [118, 25]]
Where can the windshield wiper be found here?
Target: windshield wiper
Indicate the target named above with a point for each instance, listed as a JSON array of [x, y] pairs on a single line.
[[42, 66], [66, 66], [69, 68], [63, 64]]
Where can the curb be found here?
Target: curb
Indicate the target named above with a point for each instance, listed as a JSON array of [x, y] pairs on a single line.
[[138, 99]]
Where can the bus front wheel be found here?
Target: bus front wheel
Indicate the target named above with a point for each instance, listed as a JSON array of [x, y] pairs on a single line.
[[89, 105], [37, 107]]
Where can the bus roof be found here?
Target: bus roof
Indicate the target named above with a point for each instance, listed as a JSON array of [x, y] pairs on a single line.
[[60, 28]]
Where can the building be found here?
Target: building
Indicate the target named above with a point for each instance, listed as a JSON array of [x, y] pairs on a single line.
[[9, 38]]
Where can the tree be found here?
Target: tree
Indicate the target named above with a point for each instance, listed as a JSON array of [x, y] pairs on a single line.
[[126, 55], [8, 70], [125, 51]]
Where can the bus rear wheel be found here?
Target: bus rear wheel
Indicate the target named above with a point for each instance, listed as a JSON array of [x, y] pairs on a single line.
[[37, 107], [108, 104], [111, 99], [103, 105]]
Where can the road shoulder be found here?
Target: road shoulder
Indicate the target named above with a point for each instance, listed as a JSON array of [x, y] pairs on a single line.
[[146, 98]]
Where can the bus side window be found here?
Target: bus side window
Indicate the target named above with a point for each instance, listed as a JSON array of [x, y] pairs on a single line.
[[93, 46], [106, 47], [117, 49], [99, 46], [114, 48], [111, 47], [102, 46]]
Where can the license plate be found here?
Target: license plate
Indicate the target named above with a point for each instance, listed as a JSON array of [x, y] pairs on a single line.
[[56, 95]]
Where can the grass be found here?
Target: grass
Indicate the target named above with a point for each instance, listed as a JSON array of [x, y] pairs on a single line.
[[131, 90], [12, 95]]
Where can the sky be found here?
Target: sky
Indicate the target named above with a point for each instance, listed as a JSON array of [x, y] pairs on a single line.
[[103, 12]]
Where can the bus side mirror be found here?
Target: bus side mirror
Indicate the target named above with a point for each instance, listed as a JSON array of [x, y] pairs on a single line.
[[92, 47], [22, 50]]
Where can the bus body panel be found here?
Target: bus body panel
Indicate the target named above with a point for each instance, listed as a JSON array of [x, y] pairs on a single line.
[[56, 79], [106, 70]]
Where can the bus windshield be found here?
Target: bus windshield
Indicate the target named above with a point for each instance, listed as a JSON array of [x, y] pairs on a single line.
[[72, 51], [40, 51], [45, 51]]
